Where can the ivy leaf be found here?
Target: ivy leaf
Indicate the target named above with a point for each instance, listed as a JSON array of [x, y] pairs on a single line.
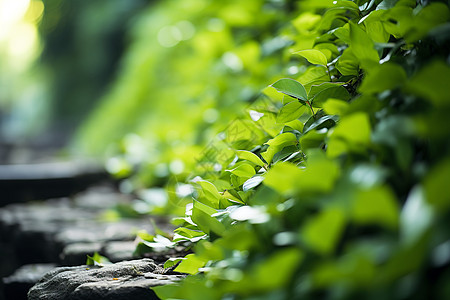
[[315, 57], [291, 88], [290, 112]]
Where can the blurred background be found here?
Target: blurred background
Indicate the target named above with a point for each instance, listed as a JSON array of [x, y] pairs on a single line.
[[56, 60], [143, 84]]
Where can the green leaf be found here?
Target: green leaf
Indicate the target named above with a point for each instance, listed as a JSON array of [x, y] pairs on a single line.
[[319, 176], [431, 83], [190, 264], [323, 122], [201, 215], [382, 78], [283, 177], [243, 170], [315, 57], [96, 260], [312, 139], [291, 88], [315, 89], [295, 124], [306, 21], [376, 32], [159, 243], [283, 263], [322, 232], [278, 143], [437, 187], [250, 156], [363, 47], [347, 64], [314, 75], [386, 4], [374, 26], [335, 106], [290, 112], [352, 133], [376, 205], [336, 92], [329, 49], [183, 233], [236, 181], [211, 195], [172, 261], [343, 33]]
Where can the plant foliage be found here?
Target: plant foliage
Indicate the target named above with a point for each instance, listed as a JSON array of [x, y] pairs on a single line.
[[333, 185]]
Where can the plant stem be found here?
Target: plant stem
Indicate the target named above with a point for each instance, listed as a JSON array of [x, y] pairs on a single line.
[[312, 110]]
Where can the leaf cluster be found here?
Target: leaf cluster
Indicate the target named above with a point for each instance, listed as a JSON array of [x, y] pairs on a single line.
[[337, 183], [331, 185]]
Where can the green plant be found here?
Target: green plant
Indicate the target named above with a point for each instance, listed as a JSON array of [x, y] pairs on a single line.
[[332, 185], [337, 188]]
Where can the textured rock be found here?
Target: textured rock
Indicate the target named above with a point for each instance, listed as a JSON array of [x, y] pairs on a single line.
[[124, 280], [64, 230], [39, 232]]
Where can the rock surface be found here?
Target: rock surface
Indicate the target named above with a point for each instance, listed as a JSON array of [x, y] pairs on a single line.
[[63, 231], [124, 280], [26, 182]]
